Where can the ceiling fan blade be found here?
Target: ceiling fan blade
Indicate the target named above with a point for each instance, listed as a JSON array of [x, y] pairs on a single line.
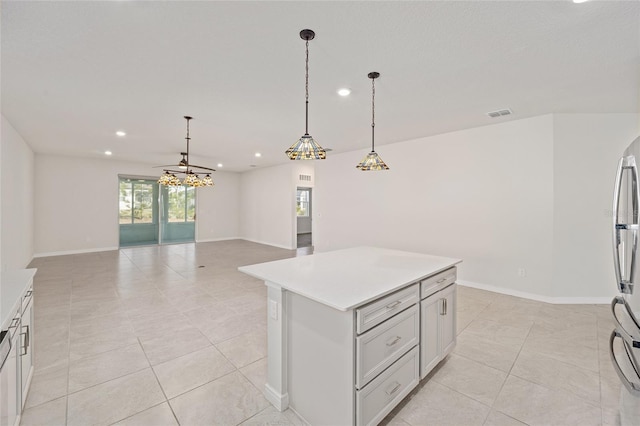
[[202, 167]]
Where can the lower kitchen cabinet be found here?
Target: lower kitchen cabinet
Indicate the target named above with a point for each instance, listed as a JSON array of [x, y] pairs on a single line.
[[361, 376], [26, 346], [369, 359], [437, 327], [17, 321], [10, 388]]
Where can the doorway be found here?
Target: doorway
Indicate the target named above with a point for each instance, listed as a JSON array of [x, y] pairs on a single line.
[[304, 211], [152, 214]]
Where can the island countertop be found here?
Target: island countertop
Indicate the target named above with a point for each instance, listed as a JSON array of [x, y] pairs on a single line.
[[348, 278]]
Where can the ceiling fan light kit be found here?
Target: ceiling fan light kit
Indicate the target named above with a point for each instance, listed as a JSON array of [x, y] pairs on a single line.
[[191, 171]]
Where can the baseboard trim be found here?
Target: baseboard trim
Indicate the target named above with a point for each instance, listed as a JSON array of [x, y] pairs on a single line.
[[213, 240], [268, 244], [280, 401], [538, 297], [66, 252]]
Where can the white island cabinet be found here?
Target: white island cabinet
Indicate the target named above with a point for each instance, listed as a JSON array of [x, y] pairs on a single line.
[[16, 312], [344, 330]]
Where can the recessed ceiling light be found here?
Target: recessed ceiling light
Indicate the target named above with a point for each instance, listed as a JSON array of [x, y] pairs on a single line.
[[344, 92], [580, 1], [121, 133], [108, 153], [219, 164], [258, 154]]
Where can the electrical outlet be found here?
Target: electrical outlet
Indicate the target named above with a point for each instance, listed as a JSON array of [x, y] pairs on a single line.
[[522, 272]]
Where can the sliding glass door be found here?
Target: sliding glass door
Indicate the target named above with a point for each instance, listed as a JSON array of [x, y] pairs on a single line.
[[154, 214], [179, 214], [138, 212]]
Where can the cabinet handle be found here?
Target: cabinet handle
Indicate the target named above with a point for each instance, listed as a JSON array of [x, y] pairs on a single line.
[[393, 390], [441, 306], [25, 345], [394, 341], [29, 293], [393, 305], [446, 306]]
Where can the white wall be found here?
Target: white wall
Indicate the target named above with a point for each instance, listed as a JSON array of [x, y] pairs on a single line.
[[268, 203], [218, 211], [17, 190], [484, 195], [77, 204], [587, 148]]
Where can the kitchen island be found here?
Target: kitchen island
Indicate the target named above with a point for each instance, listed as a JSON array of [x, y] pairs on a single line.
[[348, 334]]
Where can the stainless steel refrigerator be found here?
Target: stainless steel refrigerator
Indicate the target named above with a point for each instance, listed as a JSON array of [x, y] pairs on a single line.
[[624, 343]]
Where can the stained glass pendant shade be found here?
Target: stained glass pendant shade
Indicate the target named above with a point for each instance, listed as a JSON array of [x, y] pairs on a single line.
[[372, 161], [306, 148]]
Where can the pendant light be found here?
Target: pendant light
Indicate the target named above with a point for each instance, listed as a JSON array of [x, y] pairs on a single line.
[[372, 161], [306, 148]]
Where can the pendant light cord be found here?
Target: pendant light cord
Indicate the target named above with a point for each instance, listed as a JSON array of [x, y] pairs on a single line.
[[373, 112], [306, 88]]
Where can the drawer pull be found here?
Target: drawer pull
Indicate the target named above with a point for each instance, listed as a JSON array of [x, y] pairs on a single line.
[[29, 293], [25, 345], [441, 280], [394, 341], [393, 305], [393, 389]]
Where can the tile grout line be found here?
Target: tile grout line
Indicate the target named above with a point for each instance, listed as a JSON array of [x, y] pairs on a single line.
[[166, 399], [509, 374]]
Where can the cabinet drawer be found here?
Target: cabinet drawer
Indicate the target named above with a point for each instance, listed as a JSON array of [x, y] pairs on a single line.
[[374, 313], [437, 282], [377, 399], [381, 346]]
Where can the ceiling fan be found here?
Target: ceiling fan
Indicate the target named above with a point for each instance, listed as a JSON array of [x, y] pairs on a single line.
[[192, 171]]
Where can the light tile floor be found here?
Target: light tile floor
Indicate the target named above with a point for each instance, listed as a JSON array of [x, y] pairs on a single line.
[[176, 335]]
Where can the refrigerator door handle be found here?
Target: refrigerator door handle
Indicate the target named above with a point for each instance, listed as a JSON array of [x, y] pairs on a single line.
[[625, 163], [619, 300], [633, 388]]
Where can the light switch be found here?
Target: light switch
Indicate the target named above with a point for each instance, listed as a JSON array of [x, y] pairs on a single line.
[[273, 309]]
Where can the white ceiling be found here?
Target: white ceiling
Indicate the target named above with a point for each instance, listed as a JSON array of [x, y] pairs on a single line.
[[75, 72]]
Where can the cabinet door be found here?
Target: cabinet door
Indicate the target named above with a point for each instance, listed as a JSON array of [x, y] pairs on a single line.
[[26, 350], [10, 384], [429, 330], [448, 319]]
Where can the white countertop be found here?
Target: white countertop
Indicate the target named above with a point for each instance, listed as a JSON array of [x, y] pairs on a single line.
[[13, 285], [346, 279]]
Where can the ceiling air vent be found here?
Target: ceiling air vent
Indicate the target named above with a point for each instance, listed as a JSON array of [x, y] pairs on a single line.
[[306, 178], [499, 113]]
